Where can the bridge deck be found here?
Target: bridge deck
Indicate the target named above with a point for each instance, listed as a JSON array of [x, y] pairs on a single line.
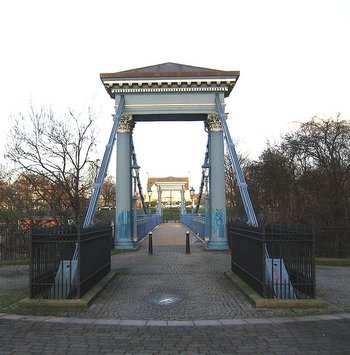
[[170, 234]]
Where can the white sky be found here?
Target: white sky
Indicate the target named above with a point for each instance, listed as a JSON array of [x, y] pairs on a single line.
[[294, 59]]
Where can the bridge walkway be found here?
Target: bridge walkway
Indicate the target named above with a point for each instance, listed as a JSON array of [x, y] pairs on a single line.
[[171, 234]]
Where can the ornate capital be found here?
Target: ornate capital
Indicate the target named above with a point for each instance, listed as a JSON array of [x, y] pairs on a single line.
[[126, 124], [214, 122]]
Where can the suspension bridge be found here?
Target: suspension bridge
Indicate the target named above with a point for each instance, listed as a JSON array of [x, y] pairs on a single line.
[[170, 92]]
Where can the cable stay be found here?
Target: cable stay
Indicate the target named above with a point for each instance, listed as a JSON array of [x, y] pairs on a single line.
[[206, 159], [91, 212], [243, 187], [134, 163], [273, 265]]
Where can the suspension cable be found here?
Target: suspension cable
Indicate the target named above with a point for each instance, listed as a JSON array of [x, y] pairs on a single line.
[[134, 161], [206, 158]]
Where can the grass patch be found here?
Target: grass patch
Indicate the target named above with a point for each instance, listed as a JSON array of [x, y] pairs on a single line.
[[117, 251], [8, 303], [122, 271], [14, 262], [332, 262]]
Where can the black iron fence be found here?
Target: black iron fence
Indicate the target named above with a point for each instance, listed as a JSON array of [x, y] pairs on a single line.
[[66, 261], [333, 241], [14, 243], [276, 261]]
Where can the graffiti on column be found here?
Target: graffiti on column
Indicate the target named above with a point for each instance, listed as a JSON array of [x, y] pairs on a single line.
[[219, 219], [124, 225]]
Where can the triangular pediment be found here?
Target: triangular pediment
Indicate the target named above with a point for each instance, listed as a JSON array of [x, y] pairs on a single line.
[[169, 70]]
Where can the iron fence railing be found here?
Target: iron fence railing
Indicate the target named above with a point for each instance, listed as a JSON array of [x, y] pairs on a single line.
[[295, 247], [195, 222], [330, 251], [55, 273], [14, 243], [248, 255], [333, 241], [145, 223], [276, 261]]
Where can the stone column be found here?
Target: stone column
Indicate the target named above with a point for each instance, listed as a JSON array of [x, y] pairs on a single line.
[[124, 229], [183, 201], [159, 201], [218, 233]]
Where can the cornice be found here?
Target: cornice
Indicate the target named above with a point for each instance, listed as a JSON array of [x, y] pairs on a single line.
[[115, 87]]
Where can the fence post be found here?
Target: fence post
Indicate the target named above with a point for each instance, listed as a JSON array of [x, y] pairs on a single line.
[[265, 289], [31, 257], [150, 243], [188, 251], [313, 262], [78, 246]]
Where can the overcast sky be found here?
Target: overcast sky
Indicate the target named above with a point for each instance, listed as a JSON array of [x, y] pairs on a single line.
[[293, 57]]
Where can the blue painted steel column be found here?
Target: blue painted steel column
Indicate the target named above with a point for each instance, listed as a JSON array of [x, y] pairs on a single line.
[[207, 217], [134, 220], [124, 229], [218, 233]]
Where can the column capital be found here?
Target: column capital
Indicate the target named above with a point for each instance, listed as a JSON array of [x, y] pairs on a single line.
[[214, 122], [126, 124]]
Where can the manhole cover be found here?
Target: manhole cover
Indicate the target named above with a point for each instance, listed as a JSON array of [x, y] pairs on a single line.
[[165, 299]]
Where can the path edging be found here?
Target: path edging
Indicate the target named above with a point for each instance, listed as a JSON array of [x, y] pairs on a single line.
[[259, 302], [83, 302]]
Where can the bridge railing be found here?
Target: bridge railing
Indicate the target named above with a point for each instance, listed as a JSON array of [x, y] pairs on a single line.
[[145, 223], [195, 222]]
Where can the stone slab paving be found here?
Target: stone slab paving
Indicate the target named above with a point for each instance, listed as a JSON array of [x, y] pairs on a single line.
[[173, 303], [333, 285], [170, 285], [70, 336]]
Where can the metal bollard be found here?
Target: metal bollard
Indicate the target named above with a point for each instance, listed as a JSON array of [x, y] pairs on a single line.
[[150, 243], [188, 251]]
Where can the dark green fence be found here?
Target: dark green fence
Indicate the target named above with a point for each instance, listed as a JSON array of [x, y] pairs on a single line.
[[14, 243], [66, 261]]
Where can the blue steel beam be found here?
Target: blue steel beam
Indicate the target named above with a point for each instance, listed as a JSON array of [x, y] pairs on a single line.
[[91, 212], [273, 266], [243, 187]]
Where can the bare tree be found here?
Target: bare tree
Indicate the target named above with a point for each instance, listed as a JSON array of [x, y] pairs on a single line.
[[321, 154], [233, 195], [108, 193], [56, 149], [272, 186]]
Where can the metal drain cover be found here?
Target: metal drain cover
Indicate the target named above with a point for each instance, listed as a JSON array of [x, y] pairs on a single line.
[[165, 299]]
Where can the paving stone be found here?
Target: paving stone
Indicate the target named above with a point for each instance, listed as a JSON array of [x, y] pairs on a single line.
[[151, 304], [180, 323], [159, 323], [133, 322], [232, 321], [204, 323]]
